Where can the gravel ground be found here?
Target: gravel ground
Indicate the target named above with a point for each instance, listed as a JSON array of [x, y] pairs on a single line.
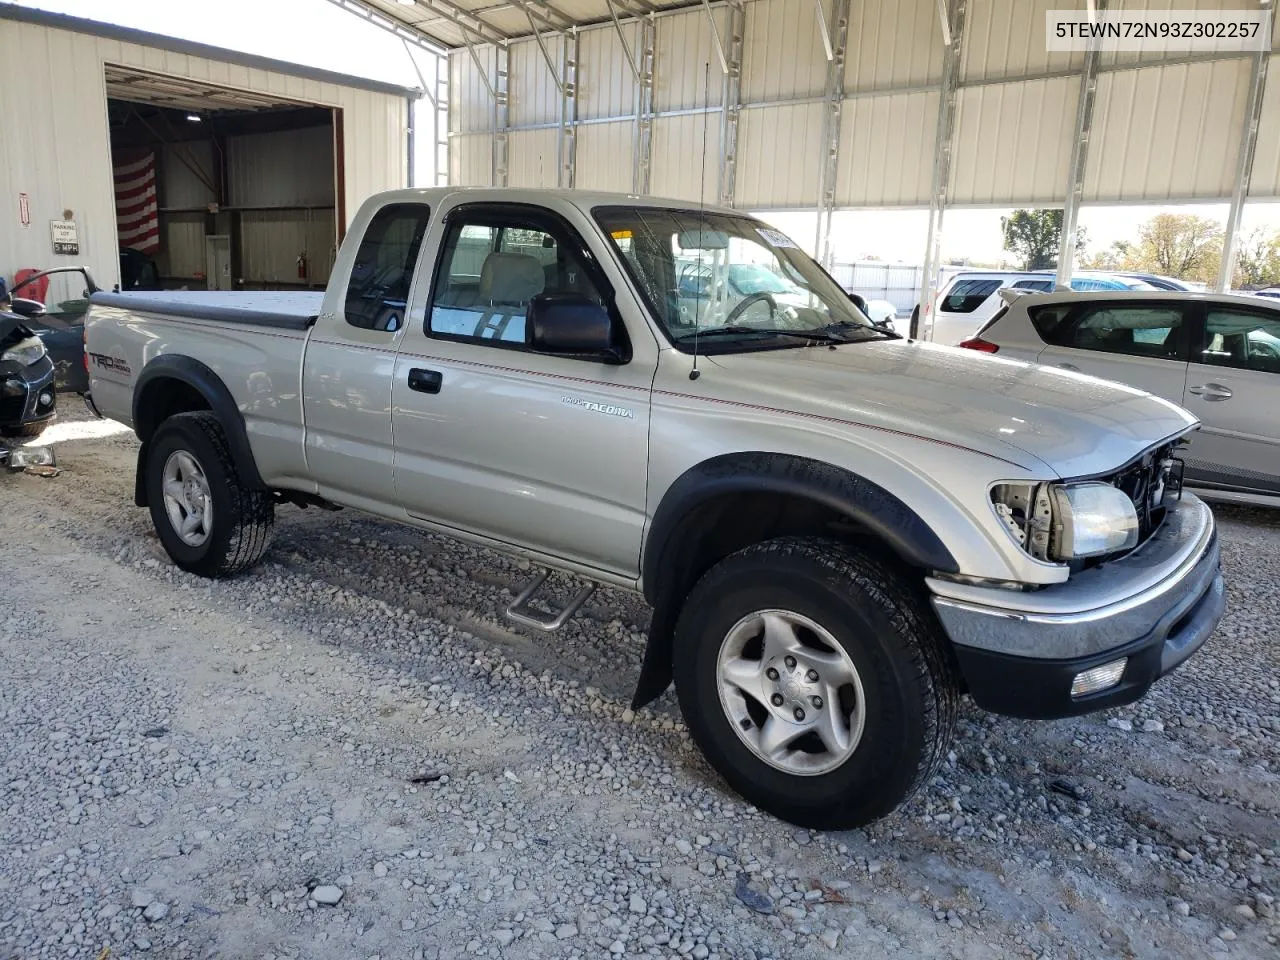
[[347, 754]]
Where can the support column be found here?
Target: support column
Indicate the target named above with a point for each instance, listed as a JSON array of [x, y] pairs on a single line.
[[441, 113], [501, 120], [1079, 159], [836, 43], [953, 30], [646, 53], [568, 108], [731, 99], [1244, 168]]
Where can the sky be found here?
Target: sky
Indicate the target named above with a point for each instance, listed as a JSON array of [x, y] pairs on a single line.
[[315, 33]]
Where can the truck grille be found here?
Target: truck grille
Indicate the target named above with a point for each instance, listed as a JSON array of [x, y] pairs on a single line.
[[1153, 482]]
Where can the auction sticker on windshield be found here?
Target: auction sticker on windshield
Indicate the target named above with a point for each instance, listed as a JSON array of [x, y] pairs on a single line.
[[775, 238]]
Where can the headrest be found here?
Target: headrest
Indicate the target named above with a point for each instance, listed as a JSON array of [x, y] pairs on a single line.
[[511, 278]]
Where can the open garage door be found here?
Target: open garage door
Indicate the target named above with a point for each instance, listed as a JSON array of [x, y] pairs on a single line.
[[222, 189]]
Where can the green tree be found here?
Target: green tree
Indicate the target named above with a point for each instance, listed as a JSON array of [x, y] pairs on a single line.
[[1180, 245], [1258, 262], [1034, 236]]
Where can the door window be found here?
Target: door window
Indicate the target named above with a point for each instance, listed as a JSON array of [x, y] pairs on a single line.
[[1137, 330], [967, 295], [1238, 338], [379, 286], [490, 273]]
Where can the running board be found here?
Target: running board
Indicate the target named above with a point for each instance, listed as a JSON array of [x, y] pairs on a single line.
[[527, 616]]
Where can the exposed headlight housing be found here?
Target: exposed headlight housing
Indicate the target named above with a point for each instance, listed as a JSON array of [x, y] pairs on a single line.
[[1065, 522], [1092, 520], [25, 352]]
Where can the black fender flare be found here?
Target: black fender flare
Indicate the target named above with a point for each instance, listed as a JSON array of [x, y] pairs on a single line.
[[666, 574], [209, 385]]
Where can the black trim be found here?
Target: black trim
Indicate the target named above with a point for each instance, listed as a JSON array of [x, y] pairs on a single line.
[[95, 28], [670, 564], [146, 303], [209, 385], [1038, 689], [525, 216]]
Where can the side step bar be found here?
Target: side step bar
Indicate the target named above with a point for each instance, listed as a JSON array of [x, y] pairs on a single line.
[[520, 612]]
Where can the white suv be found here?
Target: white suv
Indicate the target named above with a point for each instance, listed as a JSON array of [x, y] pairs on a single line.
[[968, 300], [1218, 355]]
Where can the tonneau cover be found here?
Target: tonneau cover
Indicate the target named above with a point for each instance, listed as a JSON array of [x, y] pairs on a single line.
[[285, 309]]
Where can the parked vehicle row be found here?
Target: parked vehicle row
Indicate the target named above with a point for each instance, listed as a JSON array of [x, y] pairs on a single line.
[[1218, 355], [840, 530]]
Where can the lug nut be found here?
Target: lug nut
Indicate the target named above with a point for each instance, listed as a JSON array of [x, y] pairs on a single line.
[[799, 714], [812, 676], [771, 673], [790, 662], [817, 702], [776, 699]]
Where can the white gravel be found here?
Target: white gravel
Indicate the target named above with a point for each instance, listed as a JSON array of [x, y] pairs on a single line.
[[348, 754]]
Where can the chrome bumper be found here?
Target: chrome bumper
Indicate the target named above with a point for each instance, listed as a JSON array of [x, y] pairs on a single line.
[[1096, 610]]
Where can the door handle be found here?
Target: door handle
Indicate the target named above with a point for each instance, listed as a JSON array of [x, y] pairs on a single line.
[[1211, 391], [425, 381], [1069, 366]]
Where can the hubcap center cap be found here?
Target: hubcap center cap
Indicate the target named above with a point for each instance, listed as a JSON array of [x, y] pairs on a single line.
[[795, 689]]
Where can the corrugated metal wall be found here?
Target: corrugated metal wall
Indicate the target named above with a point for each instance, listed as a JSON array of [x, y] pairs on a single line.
[[51, 83], [1164, 129]]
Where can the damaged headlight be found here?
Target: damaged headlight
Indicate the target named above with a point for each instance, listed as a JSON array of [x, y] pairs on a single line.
[[1062, 522], [25, 352]]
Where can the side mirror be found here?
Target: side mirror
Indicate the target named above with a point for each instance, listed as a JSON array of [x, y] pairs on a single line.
[[570, 325], [858, 299], [26, 308]]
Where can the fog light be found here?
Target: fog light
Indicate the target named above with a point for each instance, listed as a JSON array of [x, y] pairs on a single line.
[[45, 399], [1099, 678]]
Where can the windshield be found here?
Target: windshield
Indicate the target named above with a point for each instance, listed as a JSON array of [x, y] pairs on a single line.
[[748, 286]]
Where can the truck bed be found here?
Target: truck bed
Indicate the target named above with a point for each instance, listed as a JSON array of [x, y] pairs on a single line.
[[284, 309]]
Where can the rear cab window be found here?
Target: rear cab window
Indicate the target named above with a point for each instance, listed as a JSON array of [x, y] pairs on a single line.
[[965, 296], [378, 288]]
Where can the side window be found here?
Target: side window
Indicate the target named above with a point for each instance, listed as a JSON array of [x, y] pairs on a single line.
[[1143, 331], [491, 271], [967, 295], [1247, 341], [380, 279]]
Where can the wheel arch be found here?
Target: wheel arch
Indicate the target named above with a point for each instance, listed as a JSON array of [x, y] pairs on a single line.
[[729, 502], [172, 383]]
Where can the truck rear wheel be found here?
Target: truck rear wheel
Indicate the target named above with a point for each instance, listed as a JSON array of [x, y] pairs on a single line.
[[210, 523], [815, 681]]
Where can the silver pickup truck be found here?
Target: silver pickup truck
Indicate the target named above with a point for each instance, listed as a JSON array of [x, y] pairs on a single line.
[[840, 531]]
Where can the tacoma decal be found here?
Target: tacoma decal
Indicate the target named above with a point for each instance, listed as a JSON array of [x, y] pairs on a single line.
[[606, 408]]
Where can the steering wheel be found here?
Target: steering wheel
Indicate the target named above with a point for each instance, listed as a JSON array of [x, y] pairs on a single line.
[[1263, 349], [747, 301]]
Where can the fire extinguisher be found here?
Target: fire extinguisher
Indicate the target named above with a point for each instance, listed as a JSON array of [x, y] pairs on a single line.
[[302, 265]]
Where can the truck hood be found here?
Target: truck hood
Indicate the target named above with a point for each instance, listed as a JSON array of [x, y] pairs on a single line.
[[1020, 412]]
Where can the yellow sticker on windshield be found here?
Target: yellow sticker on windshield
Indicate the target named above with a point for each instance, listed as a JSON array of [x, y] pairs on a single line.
[[621, 234]]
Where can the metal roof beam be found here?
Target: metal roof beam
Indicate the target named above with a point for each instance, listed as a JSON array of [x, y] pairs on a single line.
[[399, 28]]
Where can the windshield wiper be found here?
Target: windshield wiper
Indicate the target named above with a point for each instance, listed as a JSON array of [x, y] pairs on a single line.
[[819, 336], [862, 328]]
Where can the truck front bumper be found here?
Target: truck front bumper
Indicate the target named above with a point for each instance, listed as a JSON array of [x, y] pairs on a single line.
[[1020, 653]]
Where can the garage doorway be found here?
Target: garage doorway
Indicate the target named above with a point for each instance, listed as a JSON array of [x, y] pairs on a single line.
[[222, 189]]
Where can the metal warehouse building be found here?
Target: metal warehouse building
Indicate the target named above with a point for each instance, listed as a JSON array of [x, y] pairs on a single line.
[[228, 170], [827, 105]]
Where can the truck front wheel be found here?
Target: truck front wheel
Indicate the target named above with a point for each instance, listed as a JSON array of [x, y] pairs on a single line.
[[209, 521], [815, 681]]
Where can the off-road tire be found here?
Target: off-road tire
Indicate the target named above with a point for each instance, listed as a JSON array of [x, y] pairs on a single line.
[[25, 431], [243, 518], [880, 615]]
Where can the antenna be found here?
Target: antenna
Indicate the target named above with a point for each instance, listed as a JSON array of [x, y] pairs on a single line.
[[695, 373]]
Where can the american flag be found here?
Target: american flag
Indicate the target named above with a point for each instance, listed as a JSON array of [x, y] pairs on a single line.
[[137, 220]]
